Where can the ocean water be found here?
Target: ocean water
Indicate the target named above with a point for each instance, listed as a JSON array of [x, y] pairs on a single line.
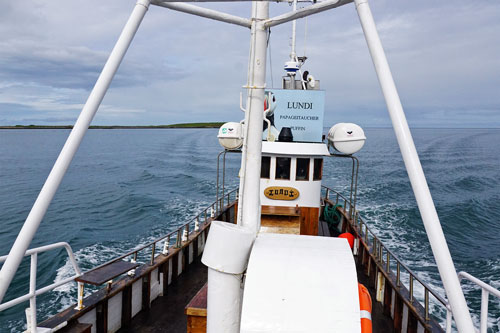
[[126, 187]]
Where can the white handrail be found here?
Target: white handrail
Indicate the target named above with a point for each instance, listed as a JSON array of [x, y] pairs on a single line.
[[486, 290], [33, 293]]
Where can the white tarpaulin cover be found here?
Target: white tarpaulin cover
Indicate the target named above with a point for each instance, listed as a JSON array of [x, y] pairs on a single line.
[[300, 284]]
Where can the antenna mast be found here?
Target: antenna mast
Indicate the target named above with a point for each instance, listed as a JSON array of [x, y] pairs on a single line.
[[293, 55], [293, 65]]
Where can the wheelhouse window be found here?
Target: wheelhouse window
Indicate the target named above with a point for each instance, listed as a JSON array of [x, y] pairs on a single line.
[[302, 172], [318, 169], [265, 168], [283, 167]]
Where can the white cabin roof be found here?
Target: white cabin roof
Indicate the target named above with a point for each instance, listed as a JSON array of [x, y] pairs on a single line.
[[300, 284], [294, 148]]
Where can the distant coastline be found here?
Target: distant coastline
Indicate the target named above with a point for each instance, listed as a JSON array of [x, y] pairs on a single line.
[[184, 125]]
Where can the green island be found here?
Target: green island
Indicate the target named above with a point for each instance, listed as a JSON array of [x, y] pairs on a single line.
[[183, 125]]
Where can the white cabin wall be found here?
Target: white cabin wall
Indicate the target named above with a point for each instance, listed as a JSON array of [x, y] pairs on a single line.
[[310, 191], [155, 285], [115, 313], [136, 297], [89, 318]]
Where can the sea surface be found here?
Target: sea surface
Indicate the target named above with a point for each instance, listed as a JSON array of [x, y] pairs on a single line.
[[126, 187]]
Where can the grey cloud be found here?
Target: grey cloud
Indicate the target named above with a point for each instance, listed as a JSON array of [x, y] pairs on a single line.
[[71, 67], [444, 56]]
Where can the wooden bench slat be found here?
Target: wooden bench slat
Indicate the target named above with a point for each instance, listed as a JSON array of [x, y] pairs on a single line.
[[198, 304], [106, 273], [277, 210]]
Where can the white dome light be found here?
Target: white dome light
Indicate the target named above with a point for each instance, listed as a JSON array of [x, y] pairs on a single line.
[[231, 135], [346, 138]]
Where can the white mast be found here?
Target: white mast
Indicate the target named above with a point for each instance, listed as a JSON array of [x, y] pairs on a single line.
[[255, 108], [224, 277], [415, 172], [293, 55]]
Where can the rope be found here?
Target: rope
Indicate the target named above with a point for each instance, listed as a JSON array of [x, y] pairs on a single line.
[[331, 215]]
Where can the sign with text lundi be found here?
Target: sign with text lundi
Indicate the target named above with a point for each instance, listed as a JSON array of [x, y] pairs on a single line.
[[300, 110], [281, 193]]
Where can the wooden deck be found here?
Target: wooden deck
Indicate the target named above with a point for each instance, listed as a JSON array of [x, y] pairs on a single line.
[[323, 229], [167, 312]]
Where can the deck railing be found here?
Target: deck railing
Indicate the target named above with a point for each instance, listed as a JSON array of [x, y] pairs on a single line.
[[177, 236], [33, 292], [387, 259], [486, 290], [180, 234]]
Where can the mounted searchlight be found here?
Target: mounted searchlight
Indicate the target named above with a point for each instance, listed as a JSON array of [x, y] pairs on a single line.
[[309, 79], [231, 135], [311, 82], [346, 138]]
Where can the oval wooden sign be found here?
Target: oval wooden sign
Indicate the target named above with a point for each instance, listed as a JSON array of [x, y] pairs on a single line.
[[281, 193]]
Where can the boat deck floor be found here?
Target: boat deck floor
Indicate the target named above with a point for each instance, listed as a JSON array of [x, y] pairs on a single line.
[[380, 321], [167, 312]]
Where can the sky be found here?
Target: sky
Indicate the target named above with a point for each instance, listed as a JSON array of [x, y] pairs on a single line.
[[444, 56]]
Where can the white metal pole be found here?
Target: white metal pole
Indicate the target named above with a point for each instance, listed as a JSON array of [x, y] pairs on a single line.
[[303, 12], [33, 320], [251, 57], [241, 173], [484, 311], [293, 55], [56, 175], [415, 172], [255, 109], [226, 255], [205, 12]]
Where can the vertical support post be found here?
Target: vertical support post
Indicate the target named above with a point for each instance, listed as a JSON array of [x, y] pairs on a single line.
[[293, 54], [153, 252], [79, 305], [415, 172], [398, 274], [411, 287], [178, 241], [484, 310], [33, 320], [255, 105], [62, 163], [388, 262], [351, 211], [223, 180], [355, 182], [166, 245], [426, 303], [217, 182]]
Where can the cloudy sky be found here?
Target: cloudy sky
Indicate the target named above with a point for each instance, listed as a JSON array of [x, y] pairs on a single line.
[[444, 55]]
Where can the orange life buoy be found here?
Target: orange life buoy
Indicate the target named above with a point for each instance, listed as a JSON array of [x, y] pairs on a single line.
[[365, 307], [349, 237]]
